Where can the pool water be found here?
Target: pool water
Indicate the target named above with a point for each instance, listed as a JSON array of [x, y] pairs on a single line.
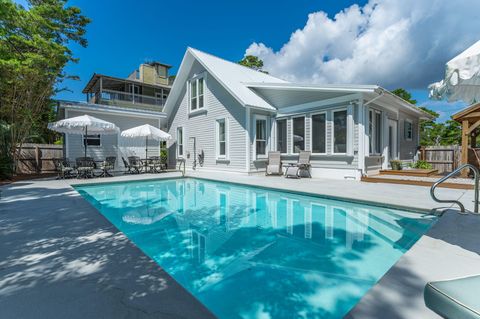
[[248, 252]]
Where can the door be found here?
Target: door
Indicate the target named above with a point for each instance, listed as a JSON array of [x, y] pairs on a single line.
[[392, 139]]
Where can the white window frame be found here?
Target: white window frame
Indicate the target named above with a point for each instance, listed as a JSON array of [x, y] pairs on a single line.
[[304, 133], [260, 118], [405, 130], [373, 137], [196, 78], [217, 140], [178, 142], [286, 133], [333, 131], [92, 137], [311, 132]]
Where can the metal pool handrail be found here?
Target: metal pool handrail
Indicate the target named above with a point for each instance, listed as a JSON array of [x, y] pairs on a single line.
[[476, 174]]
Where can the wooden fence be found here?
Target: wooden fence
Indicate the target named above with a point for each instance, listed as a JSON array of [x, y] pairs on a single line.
[[37, 158], [442, 158]]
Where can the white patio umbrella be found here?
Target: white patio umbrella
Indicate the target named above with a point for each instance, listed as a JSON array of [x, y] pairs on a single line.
[[147, 131], [84, 125], [462, 78]]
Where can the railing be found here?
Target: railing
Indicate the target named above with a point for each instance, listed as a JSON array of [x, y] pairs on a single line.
[[130, 99], [453, 201], [181, 161]]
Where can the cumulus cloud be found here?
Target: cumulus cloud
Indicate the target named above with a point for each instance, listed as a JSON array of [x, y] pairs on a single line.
[[392, 43]]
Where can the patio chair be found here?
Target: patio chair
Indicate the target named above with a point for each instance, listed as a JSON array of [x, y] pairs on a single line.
[[63, 168], [127, 166], [303, 165], [454, 298], [274, 164], [154, 164], [108, 165], [135, 164], [85, 167]]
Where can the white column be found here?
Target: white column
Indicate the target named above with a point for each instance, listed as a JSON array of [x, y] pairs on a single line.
[[362, 138]]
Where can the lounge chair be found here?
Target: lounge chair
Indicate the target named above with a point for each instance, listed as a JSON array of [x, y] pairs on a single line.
[[456, 298], [303, 164], [274, 164], [135, 164]]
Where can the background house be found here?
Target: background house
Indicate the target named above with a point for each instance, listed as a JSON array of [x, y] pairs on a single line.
[[136, 100], [224, 116]]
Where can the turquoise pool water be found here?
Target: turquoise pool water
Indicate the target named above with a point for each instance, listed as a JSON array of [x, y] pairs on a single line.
[[249, 252]]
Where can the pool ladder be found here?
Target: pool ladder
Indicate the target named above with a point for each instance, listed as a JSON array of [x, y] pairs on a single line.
[[476, 174]]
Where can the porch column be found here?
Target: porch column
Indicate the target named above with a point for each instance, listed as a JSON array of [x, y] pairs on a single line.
[[465, 134]]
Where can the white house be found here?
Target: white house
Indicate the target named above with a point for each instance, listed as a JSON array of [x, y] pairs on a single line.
[[227, 117]]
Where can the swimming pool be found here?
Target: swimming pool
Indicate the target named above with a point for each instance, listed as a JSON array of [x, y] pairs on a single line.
[[248, 252]]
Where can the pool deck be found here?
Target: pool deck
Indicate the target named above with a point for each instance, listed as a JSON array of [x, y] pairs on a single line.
[[60, 258]]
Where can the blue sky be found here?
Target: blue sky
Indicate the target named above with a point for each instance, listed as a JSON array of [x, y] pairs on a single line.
[[124, 34]]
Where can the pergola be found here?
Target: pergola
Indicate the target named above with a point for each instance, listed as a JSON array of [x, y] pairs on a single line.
[[470, 120]]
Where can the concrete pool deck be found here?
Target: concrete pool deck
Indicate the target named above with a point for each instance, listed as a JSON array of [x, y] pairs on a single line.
[[60, 258]]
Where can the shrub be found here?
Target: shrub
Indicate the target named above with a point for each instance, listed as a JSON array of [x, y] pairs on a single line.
[[422, 165], [396, 165]]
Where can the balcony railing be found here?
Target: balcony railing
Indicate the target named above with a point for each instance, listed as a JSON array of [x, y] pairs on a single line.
[[125, 99]]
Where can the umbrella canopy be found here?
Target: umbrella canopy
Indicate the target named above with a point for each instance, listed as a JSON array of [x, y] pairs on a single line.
[[147, 131], [84, 124], [462, 78]]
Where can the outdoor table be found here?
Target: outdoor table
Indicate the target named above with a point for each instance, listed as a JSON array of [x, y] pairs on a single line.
[[103, 164]]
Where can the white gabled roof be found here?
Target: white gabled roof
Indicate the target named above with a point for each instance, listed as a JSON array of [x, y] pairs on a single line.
[[231, 75]]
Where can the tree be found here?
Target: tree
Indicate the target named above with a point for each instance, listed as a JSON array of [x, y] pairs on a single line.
[[404, 94], [33, 53], [253, 62]]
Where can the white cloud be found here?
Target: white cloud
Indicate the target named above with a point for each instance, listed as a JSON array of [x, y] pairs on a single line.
[[393, 43]]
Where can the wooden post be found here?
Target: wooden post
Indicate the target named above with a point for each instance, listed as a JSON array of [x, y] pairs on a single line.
[[465, 146], [38, 159]]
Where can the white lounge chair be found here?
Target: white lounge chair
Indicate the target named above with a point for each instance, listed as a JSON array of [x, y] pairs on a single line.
[[274, 164]]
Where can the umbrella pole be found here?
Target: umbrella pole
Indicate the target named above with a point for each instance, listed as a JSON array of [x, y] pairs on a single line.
[[85, 140], [146, 152]]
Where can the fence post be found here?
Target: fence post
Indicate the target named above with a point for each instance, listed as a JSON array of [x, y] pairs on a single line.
[[38, 159]]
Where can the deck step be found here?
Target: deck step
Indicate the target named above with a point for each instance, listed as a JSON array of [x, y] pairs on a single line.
[[373, 179], [410, 172]]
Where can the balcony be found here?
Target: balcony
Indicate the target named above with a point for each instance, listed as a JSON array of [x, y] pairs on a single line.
[[128, 100]]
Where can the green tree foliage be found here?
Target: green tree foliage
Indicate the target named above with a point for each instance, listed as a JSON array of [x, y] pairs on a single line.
[[253, 62], [431, 132], [34, 49], [404, 94]]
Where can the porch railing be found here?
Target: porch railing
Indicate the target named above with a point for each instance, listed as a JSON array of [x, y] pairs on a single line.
[[126, 99]]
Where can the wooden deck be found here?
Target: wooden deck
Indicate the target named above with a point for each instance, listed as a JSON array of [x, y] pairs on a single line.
[[410, 172], [373, 179]]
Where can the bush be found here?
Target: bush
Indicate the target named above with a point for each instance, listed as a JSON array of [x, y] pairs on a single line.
[[6, 159], [396, 165], [164, 155], [422, 165]]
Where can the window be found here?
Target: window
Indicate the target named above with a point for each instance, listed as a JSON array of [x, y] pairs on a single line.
[[197, 89], [221, 138], [408, 130], [261, 137], [137, 74], [161, 71], [282, 136], [298, 134], [375, 132], [179, 141], [340, 132], [91, 140], [318, 133]]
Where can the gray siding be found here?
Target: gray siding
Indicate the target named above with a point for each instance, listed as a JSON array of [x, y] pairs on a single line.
[[407, 148], [112, 145], [218, 104]]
